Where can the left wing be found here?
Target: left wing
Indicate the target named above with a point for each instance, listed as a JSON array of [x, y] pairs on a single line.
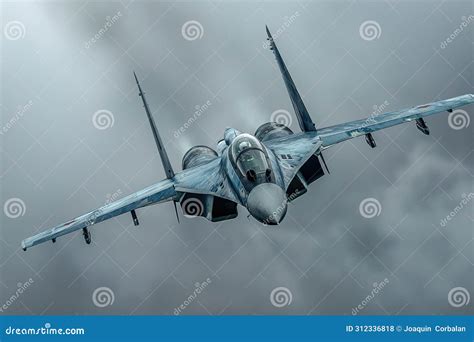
[[299, 151], [338, 133]]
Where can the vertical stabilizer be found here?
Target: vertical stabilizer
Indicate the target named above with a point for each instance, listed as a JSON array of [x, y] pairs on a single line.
[[304, 120], [159, 143]]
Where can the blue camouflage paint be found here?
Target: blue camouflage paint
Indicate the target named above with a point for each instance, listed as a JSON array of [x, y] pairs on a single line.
[[217, 177]]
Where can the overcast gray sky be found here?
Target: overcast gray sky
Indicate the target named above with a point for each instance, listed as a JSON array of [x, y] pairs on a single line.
[[62, 62]]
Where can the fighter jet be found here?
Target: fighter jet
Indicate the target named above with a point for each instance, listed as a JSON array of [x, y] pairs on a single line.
[[262, 172]]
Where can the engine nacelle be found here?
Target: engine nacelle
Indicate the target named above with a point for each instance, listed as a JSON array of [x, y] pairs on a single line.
[[221, 146], [198, 155], [230, 134], [213, 208], [272, 130]]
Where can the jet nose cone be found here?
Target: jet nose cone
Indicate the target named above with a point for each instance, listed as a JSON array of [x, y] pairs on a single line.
[[267, 203]]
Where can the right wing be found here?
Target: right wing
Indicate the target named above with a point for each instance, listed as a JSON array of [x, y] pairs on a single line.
[[157, 193], [204, 179]]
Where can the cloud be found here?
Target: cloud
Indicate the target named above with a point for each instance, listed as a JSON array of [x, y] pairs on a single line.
[[325, 252]]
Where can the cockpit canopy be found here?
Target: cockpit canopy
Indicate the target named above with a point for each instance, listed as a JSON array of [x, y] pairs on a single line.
[[248, 155]]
